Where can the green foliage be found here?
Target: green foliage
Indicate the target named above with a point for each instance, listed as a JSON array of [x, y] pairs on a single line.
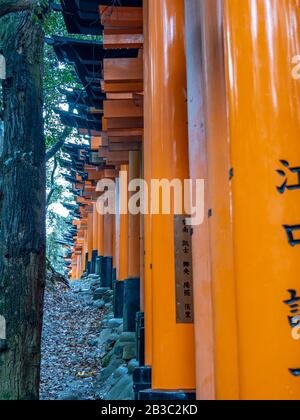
[[56, 78]]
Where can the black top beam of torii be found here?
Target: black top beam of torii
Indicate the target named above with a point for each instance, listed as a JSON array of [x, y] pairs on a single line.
[[82, 120], [87, 57], [79, 98], [82, 16]]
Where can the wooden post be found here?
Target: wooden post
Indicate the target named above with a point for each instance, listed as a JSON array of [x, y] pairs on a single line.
[[261, 39], [173, 342], [134, 222]]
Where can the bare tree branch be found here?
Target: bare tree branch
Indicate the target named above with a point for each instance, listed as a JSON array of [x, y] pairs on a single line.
[[12, 6], [61, 141], [52, 183]]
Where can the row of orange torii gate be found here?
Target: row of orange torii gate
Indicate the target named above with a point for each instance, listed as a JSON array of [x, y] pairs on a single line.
[[200, 89]]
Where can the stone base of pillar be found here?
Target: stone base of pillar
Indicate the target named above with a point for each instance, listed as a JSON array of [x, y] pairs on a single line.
[[93, 262], [98, 269], [140, 338], [87, 264], [131, 303], [142, 380], [118, 299], [114, 277], [106, 277], [88, 268], [158, 395]]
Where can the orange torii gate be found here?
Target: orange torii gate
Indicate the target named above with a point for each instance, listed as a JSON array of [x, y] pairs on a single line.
[[244, 124], [211, 95]]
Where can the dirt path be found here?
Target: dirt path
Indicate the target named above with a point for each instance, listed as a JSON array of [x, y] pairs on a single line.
[[70, 360]]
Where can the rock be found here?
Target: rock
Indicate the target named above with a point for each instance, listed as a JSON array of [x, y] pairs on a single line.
[[119, 348], [93, 277], [106, 359], [95, 283], [120, 329], [108, 306], [105, 322], [122, 390], [128, 336], [99, 304], [104, 336], [120, 372], [107, 317], [115, 322], [99, 293], [69, 396], [113, 338], [107, 298], [114, 363], [93, 342], [132, 365], [129, 351], [84, 291]]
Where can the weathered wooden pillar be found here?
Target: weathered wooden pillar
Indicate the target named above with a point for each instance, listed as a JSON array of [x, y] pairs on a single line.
[[142, 376], [214, 280], [84, 251], [100, 243], [101, 235], [132, 283], [78, 272], [95, 238], [107, 264], [134, 222], [198, 157], [90, 239], [122, 254]]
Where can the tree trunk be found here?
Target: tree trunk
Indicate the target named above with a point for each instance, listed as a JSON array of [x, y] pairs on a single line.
[[11, 6], [22, 207]]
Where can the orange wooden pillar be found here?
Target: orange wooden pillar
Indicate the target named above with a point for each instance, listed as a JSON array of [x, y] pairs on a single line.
[[100, 235], [107, 264], [117, 229], [217, 361], [74, 267], [108, 235], [214, 288], [198, 157], [95, 238], [148, 107], [173, 362], [261, 39], [122, 240], [78, 267], [84, 251], [134, 222], [122, 273], [90, 237], [95, 228], [132, 284]]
